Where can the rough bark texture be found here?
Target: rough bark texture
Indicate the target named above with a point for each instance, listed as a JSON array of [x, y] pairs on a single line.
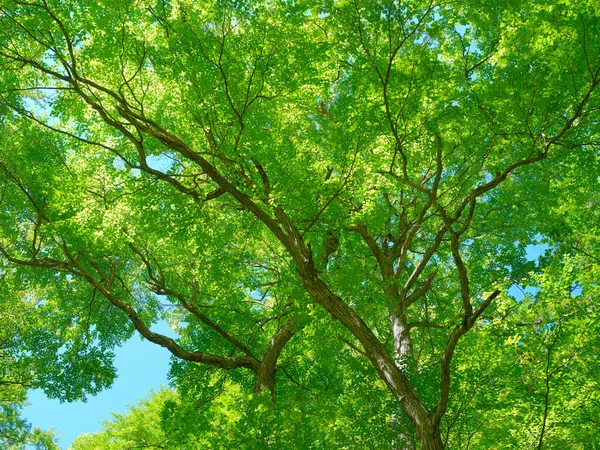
[[265, 373], [430, 437]]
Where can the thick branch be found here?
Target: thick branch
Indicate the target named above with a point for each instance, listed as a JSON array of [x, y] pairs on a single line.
[[265, 374], [446, 361], [384, 263], [168, 343]]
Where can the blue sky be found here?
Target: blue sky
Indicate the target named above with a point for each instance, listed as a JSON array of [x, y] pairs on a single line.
[[141, 366]]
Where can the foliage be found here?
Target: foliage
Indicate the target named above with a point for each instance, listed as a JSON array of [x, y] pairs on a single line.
[[538, 366], [233, 419], [15, 375], [140, 427], [329, 202]]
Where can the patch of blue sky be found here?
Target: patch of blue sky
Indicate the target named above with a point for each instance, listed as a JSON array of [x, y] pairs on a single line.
[[162, 162], [141, 365], [535, 251]]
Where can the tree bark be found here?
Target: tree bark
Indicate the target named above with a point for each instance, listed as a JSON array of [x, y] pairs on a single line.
[[430, 437], [265, 373], [402, 342]]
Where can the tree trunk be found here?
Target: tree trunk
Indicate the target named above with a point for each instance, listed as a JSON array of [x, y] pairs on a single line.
[[430, 437], [265, 380], [403, 351], [403, 348], [265, 373]]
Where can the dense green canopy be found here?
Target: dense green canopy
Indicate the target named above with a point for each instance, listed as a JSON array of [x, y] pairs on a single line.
[[332, 205], [16, 317]]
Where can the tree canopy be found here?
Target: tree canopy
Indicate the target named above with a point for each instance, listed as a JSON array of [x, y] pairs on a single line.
[[333, 204], [16, 375]]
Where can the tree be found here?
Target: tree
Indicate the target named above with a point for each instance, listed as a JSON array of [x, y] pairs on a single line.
[[13, 380], [140, 427], [164, 420], [16, 433], [316, 195]]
